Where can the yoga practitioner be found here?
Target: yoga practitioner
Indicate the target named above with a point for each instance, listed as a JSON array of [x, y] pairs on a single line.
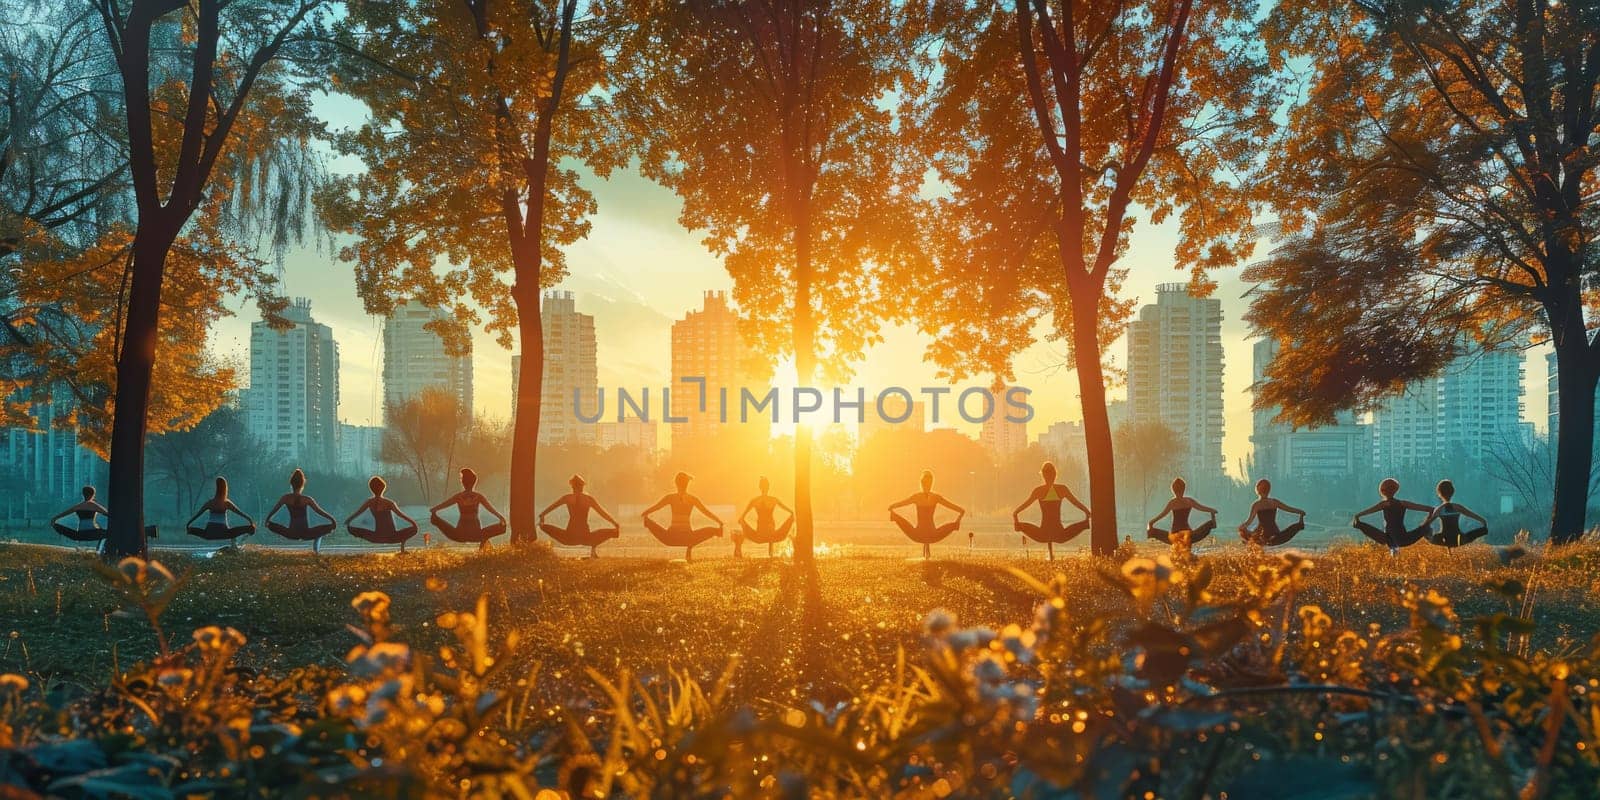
[[927, 503], [1394, 533], [765, 531], [468, 529], [383, 510], [1449, 514], [86, 529], [1264, 512], [578, 533], [1180, 507], [681, 532], [1050, 531], [217, 528], [300, 528]]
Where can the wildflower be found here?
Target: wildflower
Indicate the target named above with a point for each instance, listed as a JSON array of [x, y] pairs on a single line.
[[380, 658], [1018, 643], [346, 699], [1048, 616], [938, 623], [213, 638], [371, 605], [970, 638], [12, 683]]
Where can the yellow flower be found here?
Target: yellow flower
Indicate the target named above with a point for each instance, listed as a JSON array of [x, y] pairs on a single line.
[[12, 683]]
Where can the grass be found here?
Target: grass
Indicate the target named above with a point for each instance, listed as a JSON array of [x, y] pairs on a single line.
[[795, 639]]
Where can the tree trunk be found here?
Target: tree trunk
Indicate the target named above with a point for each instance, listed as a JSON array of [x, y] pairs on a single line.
[[131, 408], [525, 433], [805, 361], [1096, 424], [1575, 381]]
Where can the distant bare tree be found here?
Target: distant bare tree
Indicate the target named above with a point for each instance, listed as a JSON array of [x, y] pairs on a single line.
[[422, 434], [1146, 451]]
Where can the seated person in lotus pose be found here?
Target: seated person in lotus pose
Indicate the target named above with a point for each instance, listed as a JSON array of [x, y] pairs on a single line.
[[1449, 514], [766, 530], [300, 528], [1180, 507], [681, 533], [383, 510], [578, 533], [927, 503], [217, 528], [1394, 533], [1264, 512], [1050, 531], [468, 529], [86, 528]]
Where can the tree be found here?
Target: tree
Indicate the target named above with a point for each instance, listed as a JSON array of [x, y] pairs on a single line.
[[206, 94], [1053, 124], [1436, 183], [768, 119], [476, 106], [217, 446], [1148, 451], [423, 435]]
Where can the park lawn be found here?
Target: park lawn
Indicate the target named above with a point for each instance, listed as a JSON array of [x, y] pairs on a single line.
[[794, 639]]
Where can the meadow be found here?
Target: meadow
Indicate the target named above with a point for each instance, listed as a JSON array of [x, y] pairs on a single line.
[[1342, 673]]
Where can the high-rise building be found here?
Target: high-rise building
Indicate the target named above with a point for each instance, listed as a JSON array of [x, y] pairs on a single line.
[[1175, 373], [872, 423], [48, 464], [1002, 436], [1480, 404], [1063, 440], [1468, 411], [570, 367], [630, 432], [707, 344], [293, 400], [360, 447], [1327, 451], [414, 358]]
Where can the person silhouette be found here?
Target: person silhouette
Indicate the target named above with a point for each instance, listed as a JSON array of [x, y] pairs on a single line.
[[1050, 531], [1449, 514], [1394, 533], [383, 510], [467, 528], [1264, 512], [578, 533], [299, 527], [681, 532], [927, 502], [1180, 506], [217, 528], [86, 528], [765, 531]]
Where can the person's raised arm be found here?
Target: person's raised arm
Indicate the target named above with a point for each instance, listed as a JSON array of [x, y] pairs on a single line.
[[274, 509], [314, 507], [395, 507], [707, 512], [1410, 506], [1017, 512], [197, 513], [603, 514], [910, 500], [1251, 518], [960, 512], [748, 507], [1165, 510], [237, 510], [553, 506], [94, 505], [447, 502], [365, 504], [1470, 514], [1073, 499], [1199, 506], [1369, 510], [660, 504], [1289, 508], [484, 501]]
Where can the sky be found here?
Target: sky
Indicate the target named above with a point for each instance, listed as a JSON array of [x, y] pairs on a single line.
[[639, 270]]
